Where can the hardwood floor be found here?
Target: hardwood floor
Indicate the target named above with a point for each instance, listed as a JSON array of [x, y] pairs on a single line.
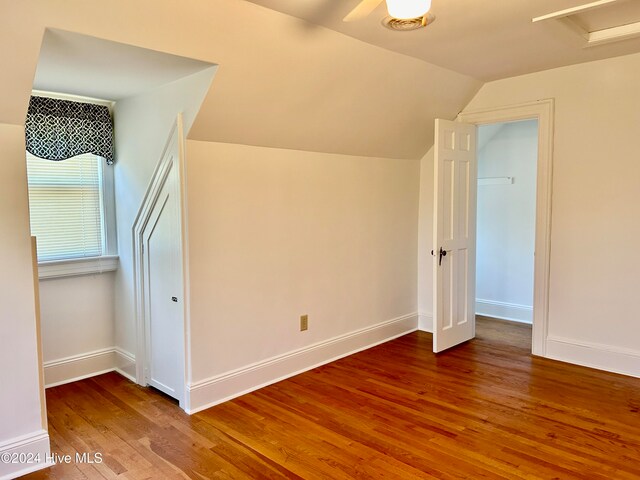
[[486, 409]]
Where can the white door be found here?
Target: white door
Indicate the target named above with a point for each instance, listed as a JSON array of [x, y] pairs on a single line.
[[454, 229], [164, 310]]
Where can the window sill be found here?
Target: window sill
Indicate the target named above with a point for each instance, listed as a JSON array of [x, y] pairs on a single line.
[[77, 266]]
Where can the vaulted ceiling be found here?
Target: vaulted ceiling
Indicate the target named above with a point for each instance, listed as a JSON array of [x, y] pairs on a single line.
[[95, 68], [488, 39], [286, 82]]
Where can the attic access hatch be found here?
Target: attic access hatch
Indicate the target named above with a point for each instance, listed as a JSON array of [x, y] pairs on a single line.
[[600, 22]]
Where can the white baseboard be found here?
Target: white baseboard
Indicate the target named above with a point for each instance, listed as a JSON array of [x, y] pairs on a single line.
[[90, 364], [33, 449], [601, 357], [505, 311], [425, 322], [212, 391], [594, 355], [78, 367], [125, 363]]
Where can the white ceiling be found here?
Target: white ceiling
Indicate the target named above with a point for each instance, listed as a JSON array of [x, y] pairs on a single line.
[[92, 67], [488, 39], [277, 84], [284, 82], [624, 13]]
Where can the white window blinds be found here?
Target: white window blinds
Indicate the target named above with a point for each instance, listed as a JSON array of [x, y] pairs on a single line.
[[65, 206]]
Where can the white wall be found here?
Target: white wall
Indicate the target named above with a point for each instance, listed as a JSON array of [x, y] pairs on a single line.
[[506, 220], [142, 126], [77, 318], [595, 262], [274, 234], [76, 314], [21, 422]]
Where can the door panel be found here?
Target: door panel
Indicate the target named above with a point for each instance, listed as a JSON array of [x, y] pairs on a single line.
[[163, 281], [454, 234]]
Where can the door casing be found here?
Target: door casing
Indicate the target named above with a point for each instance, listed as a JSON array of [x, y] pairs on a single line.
[[158, 179], [164, 317], [543, 111]]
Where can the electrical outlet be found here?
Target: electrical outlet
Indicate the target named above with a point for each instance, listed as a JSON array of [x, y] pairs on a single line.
[[304, 322]]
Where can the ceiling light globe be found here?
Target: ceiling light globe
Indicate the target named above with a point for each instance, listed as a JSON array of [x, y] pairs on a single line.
[[406, 9]]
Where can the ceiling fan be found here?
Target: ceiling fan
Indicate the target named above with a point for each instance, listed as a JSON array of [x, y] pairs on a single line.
[[403, 14]]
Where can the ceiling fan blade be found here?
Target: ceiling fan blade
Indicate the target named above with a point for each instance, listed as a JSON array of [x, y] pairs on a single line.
[[364, 8]]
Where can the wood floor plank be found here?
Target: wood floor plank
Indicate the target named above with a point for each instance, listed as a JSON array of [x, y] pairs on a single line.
[[483, 410]]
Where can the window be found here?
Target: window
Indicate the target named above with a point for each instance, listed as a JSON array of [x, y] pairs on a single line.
[[65, 200], [71, 199]]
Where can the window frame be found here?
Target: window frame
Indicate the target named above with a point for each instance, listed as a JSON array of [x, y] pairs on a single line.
[[109, 260]]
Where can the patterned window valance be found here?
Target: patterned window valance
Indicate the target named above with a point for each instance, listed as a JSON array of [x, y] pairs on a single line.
[[60, 129]]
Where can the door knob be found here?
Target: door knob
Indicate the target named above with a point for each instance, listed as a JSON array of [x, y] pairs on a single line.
[[443, 253], [174, 299]]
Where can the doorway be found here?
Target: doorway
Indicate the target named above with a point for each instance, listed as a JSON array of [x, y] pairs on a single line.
[[507, 154], [455, 222]]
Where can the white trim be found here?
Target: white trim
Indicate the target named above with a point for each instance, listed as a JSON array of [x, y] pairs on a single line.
[[158, 179], [125, 374], [74, 98], [36, 443], [605, 35], [543, 111], [151, 195], [573, 10], [186, 282], [125, 364], [597, 37], [613, 34], [504, 310], [595, 355], [78, 378], [23, 440], [127, 355], [78, 367], [108, 210], [86, 365], [77, 266], [76, 358], [425, 322], [220, 388]]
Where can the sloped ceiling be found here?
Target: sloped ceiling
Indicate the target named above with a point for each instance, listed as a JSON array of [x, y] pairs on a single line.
[[486, 39], [96, 68], [277, 85]]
